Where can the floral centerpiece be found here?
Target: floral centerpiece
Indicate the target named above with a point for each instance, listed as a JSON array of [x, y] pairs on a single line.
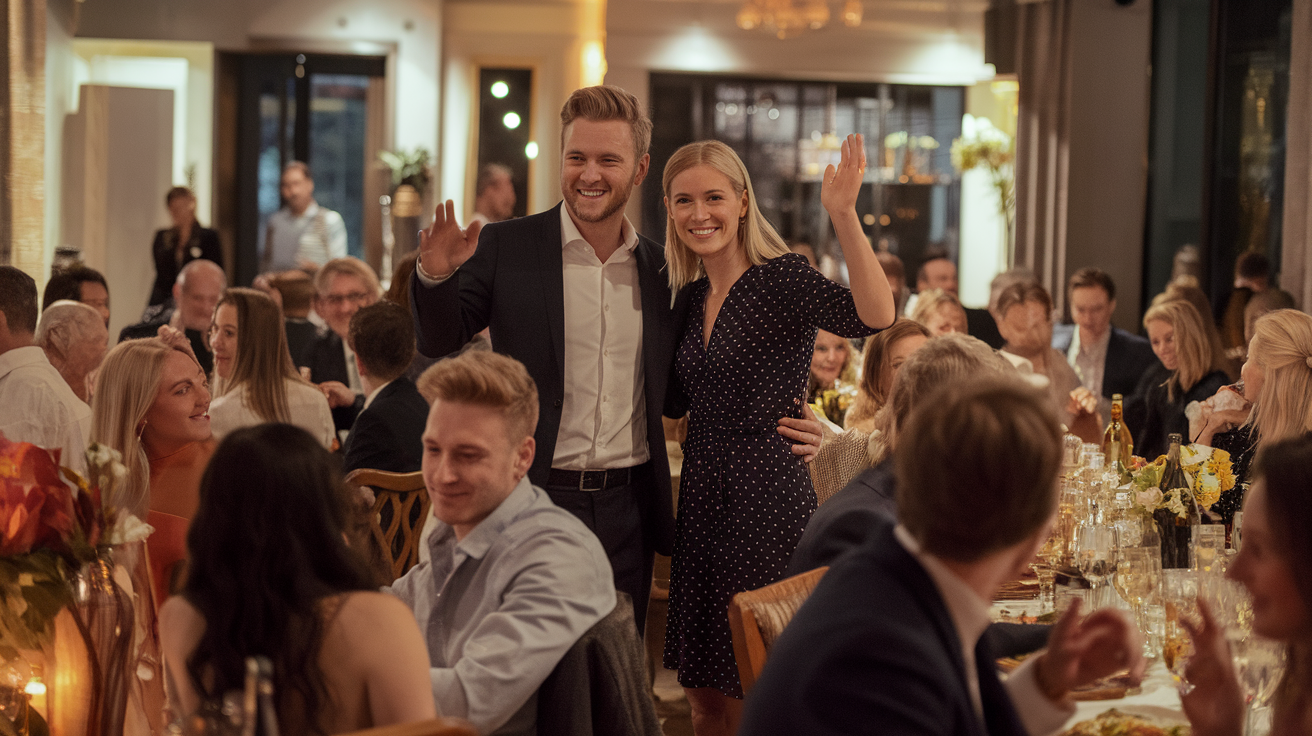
[[1209, 473], [52, 526]]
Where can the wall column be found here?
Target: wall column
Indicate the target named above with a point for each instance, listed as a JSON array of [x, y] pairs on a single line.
[[22, 135]]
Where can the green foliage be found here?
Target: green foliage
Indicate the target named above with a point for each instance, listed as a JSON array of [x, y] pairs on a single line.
[[408, 167], [34, 588]]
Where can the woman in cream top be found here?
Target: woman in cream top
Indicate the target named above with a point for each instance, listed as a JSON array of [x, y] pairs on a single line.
[[254, 379]]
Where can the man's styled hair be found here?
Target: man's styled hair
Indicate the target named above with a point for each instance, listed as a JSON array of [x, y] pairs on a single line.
[[942, 360], [178, 193], [485, 378], [488, 174], [18, 299], [1019, 293], [66, 283], [608, 102], [1253, 265], [297, 291], [1089, 276], [977, 468], [300, 166], [383, 337], [350, 266], [933, 254]]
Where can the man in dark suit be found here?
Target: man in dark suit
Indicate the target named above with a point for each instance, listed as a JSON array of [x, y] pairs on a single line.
[[342, 287], [197, 290], [1107, 359], [388, 433], [893, 638], [581, 299], [937, 271]]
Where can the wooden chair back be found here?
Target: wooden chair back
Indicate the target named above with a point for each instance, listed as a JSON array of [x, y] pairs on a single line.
[[435, 727], [758, 617], [400, 506]]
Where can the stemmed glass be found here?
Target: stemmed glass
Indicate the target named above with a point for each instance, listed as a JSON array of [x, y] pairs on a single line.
[[1180, 591], [1045, 568], [1138, 579], [1096, 557]]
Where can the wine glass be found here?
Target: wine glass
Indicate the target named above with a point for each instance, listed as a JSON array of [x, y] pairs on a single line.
[[1138, 578], [1180, 591], [1045, 568], [1096, 557]]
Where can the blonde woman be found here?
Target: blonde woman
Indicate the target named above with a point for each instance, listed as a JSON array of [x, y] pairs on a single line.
[[940, 312], [831, 361], [1180, 340], [1276, 397], [753, 313], [151, 404], [254, 379]]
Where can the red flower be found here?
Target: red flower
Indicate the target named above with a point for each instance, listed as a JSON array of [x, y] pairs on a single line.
[[20, 515], [36, 506]]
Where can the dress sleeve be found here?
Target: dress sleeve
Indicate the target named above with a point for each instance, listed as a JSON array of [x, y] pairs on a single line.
[[817, 301]]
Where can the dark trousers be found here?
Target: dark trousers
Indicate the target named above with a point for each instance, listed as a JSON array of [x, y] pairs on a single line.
[[614, 516]]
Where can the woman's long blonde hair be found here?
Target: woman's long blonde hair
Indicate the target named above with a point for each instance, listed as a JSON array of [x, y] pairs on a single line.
[[263, 364], [1282, 347], [757, 236], [126, 388], [1193, 349]]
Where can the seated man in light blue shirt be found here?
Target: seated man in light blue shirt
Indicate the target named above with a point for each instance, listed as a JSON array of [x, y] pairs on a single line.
[[513, 580]]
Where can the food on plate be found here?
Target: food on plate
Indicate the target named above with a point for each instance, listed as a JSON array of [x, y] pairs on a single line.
[[1116, 723]]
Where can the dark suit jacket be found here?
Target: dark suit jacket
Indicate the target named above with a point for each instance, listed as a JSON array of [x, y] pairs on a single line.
[[386, 436], [514, 284], [204, 243], [1128, 358], [874, 651], [327, 362], [150, 328]]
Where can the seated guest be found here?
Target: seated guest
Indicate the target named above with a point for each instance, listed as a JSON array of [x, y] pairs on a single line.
[[386, 435], [896, 273], [399, 293], [893, 638], [179, 245], [270, 574], [1275, 565], [940, 312], [513, 580], [847, 518], [342, 287], [1107, 359], [938, 271], [1024, 315], [1252, 277], [831, 360], [74, 338], [1276, 400], [78, 283], [1185, 288], [199, 285], [295, 293], [1263, 302], [254, 379], [882, 359], [38, 406], [1178, 338], [151, 404]]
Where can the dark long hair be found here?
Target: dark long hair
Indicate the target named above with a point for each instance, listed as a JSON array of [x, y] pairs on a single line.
[[1286, 467], [266, 551]]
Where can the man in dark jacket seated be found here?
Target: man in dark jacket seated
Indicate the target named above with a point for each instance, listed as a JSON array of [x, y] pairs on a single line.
[[387, 434], [197, 290], [893, 639]]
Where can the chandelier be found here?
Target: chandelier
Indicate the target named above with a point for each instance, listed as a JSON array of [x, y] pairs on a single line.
[[788, 18]]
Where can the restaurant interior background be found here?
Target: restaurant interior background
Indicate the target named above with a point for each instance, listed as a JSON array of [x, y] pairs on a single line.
[[1139, 126]]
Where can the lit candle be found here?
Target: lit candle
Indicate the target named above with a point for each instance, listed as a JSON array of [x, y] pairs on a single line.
[[36, 690]]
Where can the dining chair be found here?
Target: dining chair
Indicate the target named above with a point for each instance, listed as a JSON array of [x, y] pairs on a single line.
[[758, 617], [400, 506], [166, 549], [435, 727]]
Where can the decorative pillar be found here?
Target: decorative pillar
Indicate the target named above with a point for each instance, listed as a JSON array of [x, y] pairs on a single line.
[[22, 135], [1296, 258]]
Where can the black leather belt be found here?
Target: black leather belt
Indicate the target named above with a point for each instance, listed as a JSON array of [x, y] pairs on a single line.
[[590, 480]]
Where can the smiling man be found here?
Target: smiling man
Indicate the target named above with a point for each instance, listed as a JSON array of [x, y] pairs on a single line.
[[513, 581], [581, 299]]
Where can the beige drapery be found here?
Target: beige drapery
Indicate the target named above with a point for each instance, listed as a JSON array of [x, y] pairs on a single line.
[[1043, 69], [1296, 260], [22, 134]]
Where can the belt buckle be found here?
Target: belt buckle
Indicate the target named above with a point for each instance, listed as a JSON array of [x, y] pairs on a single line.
[[583, 480]]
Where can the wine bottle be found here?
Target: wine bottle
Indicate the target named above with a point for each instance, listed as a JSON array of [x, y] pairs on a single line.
[[1117, 444], [1176, 530]]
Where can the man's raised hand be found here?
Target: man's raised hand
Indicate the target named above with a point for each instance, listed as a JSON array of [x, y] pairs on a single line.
[[444, 246]]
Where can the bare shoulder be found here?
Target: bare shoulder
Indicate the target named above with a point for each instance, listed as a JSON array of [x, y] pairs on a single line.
[[373, 616], [368, 605]]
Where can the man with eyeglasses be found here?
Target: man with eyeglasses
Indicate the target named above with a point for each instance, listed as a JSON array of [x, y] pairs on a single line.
[[342, 287]]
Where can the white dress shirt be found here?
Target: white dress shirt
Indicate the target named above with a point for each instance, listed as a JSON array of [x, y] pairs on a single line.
[[970, 617], [306, 403], [1089, 359], [318, 235], [603, 419], [37, 406]]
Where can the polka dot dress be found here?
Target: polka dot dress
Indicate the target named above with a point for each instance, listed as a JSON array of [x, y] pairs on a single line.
[[744, 497]]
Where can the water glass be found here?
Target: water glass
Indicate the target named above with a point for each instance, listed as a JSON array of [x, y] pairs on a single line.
[[1180, 592], [1096, 557], [1209, 547]]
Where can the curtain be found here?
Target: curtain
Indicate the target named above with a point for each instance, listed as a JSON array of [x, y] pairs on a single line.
[[1296, 261], [1043, 70]]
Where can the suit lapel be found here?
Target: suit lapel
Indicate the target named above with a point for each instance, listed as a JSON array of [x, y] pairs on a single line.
[[552, 266], [1000, 716], [655, 299]]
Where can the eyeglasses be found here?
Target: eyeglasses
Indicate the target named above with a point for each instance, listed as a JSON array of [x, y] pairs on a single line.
[[337, 300]]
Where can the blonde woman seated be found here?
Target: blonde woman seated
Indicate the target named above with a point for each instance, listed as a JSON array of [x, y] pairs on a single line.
[[940, 312], [831, 361], [254, 379], [845, 454], [1180, 340], [151, 404]]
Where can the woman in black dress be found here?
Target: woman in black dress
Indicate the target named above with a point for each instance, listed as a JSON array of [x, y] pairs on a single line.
[[743, 361], [1180, 341], [181, 244]]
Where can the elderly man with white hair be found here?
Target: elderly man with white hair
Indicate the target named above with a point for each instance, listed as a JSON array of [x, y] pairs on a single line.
[[197, 290], [74, 338]]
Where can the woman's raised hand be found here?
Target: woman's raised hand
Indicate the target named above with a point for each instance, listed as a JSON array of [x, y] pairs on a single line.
[[841, 185], [444, 246]]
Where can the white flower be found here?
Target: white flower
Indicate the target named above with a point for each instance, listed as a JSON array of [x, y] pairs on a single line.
[[128, 528], [1150, 499]]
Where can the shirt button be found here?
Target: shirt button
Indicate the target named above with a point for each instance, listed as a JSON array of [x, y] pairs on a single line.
[[607, 307], [606, 353]]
